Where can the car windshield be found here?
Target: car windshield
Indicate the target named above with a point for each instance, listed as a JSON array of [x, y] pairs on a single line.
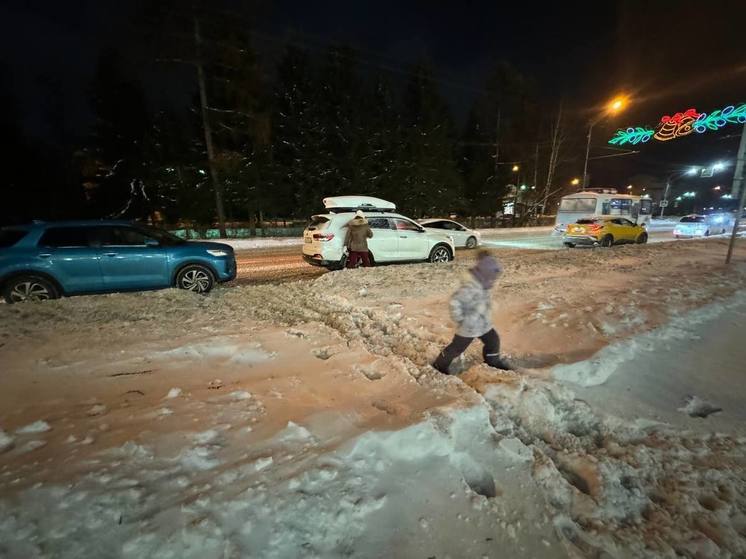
[[164, 237], [587, 221], [693, 219]]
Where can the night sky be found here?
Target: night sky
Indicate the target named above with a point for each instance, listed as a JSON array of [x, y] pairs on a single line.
[[671, 55]]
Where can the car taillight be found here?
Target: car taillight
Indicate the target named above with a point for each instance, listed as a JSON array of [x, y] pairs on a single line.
[[322, 237], [595, 227]]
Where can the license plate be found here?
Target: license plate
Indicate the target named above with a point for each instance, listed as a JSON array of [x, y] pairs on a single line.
[[308, 240]]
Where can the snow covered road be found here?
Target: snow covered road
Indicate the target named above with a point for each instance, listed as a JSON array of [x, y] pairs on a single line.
[[303, 419]]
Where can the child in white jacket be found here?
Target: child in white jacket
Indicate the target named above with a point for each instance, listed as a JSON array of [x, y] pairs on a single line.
[[471, 310]]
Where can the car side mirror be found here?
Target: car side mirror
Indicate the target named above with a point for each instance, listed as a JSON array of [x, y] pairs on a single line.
[[152, 243]]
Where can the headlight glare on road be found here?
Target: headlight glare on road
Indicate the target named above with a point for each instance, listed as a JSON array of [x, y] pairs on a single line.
[[217, 252]]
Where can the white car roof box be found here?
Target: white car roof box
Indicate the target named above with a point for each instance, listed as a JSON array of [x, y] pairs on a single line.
[[339, 204]]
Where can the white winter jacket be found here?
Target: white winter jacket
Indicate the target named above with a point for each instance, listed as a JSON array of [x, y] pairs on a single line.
[[471, 308]]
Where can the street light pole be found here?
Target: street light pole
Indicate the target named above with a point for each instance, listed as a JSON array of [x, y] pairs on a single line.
[[738, 185], [587, 153], [665, 194]]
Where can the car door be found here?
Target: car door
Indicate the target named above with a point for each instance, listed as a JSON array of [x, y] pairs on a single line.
[[68, 255], [413, 243], [458, 232], [384, 244], [625, 230], [131, 259]]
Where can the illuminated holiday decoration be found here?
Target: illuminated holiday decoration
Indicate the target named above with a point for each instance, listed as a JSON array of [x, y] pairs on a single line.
[[632, 136], [682, 124], [719, 118]]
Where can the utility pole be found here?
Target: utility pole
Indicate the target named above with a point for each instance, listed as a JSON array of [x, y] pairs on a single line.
[[216, 185], [738, 188], [553, 157], [493, 216], [665, 195], [584, 184]]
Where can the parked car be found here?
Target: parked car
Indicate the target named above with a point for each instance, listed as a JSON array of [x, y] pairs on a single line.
[[47, 260], [396, 238], [604, 231], [696, 225], [462, 236]]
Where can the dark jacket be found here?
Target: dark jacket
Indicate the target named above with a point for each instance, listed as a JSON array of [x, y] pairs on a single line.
[[358, 233]]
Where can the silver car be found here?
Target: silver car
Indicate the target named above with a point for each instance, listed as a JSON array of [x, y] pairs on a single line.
[[697, 225]]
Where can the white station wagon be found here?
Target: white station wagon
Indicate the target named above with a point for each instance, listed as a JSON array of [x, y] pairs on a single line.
[[396, 238]]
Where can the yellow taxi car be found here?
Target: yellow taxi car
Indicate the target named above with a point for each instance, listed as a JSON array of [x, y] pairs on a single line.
[[604, 231]]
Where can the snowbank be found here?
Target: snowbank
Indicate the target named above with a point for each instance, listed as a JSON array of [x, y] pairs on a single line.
[[268, 242], [442, 487], [599, 368]]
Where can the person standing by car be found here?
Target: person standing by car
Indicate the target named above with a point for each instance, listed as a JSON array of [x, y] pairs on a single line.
[[471, 310], [356, 240]]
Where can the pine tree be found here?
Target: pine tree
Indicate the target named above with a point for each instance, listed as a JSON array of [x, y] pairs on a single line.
[[117, 144], [431, 182]]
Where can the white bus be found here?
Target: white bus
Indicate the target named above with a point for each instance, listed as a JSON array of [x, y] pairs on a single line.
[[601, 202]]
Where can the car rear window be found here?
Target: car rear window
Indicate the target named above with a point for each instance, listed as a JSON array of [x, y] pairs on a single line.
[[9, 237], [59, 237], [587, 221], [585, 205], [693, 219], [318, 220]]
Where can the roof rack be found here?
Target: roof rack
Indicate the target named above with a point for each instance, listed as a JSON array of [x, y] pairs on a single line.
[[342, 204], [359, 208]]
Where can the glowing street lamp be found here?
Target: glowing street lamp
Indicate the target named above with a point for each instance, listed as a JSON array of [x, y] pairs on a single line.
[[617, 104], [516, 168], [575, 182], [717, 187], [613, 107], [629, 187]]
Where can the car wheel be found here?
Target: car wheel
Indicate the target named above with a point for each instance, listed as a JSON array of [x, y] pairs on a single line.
[[29, 288], [440, 254], [196, 278], [607, 241], [471, 242], [570, 245], [642, 239], [339, 265]]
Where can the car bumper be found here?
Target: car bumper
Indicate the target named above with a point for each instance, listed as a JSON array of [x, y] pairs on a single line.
[[226, 269], [588, 240], [317, 260]]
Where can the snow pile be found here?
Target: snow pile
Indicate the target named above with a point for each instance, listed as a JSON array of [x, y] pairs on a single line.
[[217, 349], [6, 441], [244, 244], [447, 485], [697, 407], [33, 428], [623, 489]]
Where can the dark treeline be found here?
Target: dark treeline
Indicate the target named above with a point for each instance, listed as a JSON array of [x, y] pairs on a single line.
[[285, 130]]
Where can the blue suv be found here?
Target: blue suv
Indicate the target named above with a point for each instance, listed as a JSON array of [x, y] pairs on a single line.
[[47, 260]]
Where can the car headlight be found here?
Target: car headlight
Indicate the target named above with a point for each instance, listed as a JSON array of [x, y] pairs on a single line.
[[217, 252]]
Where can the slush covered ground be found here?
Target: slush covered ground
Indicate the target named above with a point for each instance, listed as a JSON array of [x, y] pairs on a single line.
[[304, 420]]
